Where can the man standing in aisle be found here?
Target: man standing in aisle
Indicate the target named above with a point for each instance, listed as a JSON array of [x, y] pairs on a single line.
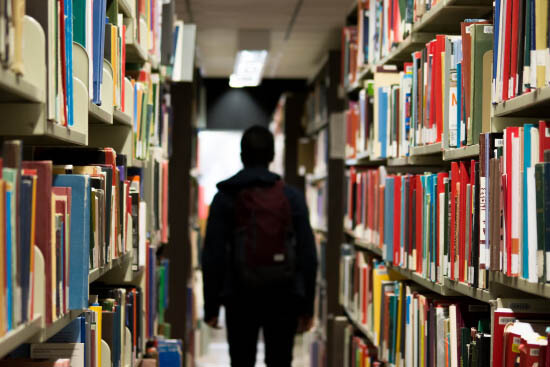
[[259, 258]]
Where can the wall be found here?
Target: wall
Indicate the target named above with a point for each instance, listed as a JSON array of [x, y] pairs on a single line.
[[239, 108]]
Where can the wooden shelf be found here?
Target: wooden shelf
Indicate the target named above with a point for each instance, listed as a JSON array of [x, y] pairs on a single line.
[[533, 104], [313, 179], [122, 118], [483, 295], [371, 247], [538, 289], [362, 159], [359, 326], [14, 88], [124, 7], [426, 149], [138, 163], [402, 52], [99, 272], [135, 53], [445, 17], [19, 335], [97, 115], [419, 160], [470, 151], [56, 134]]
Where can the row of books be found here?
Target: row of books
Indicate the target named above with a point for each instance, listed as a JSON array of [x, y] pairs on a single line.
[[411, 326], [446, 87], [521, 58], [102, 32], [112, 327], [82, 208], [482, 215]]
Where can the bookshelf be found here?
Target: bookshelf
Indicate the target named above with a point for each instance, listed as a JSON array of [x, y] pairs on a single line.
[[83, 124], [379, 205]]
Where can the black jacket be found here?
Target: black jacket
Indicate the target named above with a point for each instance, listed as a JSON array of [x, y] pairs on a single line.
[[218, 286]]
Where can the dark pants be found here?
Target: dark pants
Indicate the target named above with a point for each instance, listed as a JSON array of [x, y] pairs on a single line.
[[278, 321]]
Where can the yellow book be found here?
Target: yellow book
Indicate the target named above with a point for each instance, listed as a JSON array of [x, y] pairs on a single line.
[[53, 256], [379, 274], [400, 300], [2, 261], [541, 44], [98, 311]]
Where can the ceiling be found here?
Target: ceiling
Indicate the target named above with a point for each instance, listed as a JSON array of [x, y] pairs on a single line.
[[315, 31]]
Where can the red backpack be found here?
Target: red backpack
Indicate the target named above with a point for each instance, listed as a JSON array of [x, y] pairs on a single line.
[[264, 245]]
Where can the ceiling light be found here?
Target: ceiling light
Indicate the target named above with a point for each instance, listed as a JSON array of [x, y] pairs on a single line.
[[248, 69]]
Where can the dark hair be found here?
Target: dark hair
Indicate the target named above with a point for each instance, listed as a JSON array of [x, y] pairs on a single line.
[[257, 147]]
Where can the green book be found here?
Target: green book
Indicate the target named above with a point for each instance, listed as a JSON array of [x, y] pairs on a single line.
[[465, 339], [112, 12], [79, 22], [481, 74]]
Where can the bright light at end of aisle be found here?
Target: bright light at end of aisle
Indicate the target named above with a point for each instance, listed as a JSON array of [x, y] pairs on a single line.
[[248, 70]]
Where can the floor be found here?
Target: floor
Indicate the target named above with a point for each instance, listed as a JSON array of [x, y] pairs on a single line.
[[217, 352]]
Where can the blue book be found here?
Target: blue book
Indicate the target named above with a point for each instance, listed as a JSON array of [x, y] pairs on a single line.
[[68, 9], [527, 163], [383, 120], [495, 41], [74, 332], [170, 352], [9, 261], [99, 9], [25, 223], [10, 177], [80, 237]]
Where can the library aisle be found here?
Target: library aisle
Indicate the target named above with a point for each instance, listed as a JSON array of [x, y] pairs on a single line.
[[416, 133]]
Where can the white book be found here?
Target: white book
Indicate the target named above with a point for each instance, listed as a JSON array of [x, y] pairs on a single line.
[[414, 318], [516, 203], [454, 333], [408, 328], [142, 233], [72, 351], [440, 336]]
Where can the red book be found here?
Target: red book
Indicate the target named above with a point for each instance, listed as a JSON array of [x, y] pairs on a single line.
[[514, 48], [507, 34], [412, 186], [62, 208], [381, 215], [364, 275], [352, 180], [544, 138], [44, 225], [397, 220], [464, 181], [508, 134], [455, 178], [419, 224], [358, 198], [440, 48]]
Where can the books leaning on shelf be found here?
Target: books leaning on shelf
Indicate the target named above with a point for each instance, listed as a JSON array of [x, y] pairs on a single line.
[[521, 58], [408, 325], [442, 95], [82, 211], [518, 180]]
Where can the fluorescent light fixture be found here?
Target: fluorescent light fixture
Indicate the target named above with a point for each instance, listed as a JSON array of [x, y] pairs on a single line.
[[248, 69]]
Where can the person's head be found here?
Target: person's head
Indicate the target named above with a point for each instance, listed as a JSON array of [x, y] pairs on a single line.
[[257, 147]]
